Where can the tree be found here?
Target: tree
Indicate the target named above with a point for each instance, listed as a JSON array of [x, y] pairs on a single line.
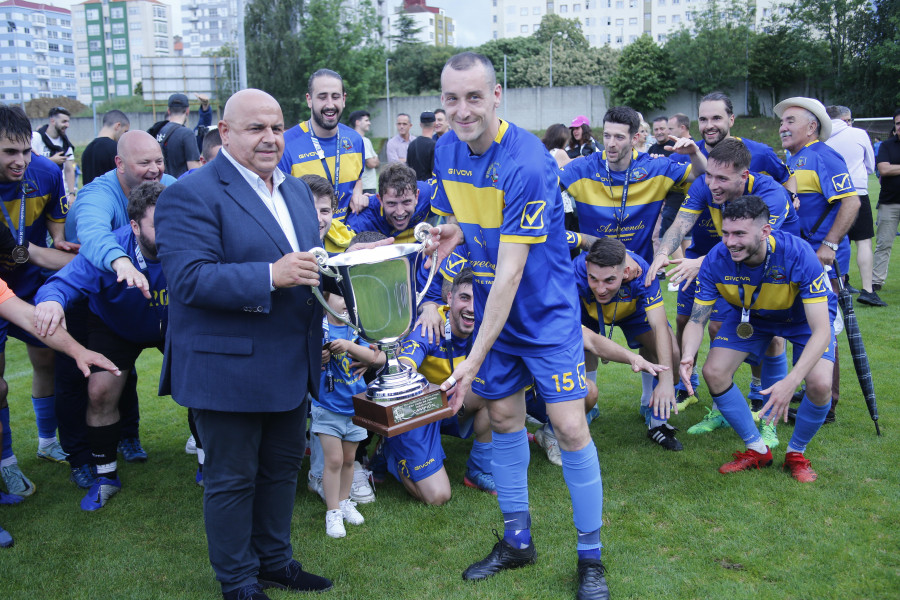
[[644, 77], [780, 58], [566, 32], [407, 31], [288, 40]]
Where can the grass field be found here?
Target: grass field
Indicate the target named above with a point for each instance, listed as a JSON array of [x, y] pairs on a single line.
[[673, 526]]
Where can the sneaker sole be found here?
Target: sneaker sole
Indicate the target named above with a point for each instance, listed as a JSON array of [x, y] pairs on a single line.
[[51, 459], [469, 483], [363, 499]]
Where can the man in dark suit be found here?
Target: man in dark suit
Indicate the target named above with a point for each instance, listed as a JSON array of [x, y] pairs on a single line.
[[244, 342]]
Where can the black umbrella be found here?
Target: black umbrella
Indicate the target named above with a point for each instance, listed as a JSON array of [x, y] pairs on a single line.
[[857, 348]]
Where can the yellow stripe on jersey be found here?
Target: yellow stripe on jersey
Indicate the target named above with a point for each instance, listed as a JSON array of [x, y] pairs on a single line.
[[773, 296], [523, 239], [34, 210], [351, 165], [597, 193], [482, 206], [808, 183], [621, 310]]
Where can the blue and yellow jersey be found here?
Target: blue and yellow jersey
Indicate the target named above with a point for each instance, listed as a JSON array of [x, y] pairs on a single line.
[[794, 277], [447, 272], [763, 159], [45, 200], [822, 180], [346, 382], [372, 218], [599, 200], [511, 194], [630, 305], [300, 159], [435, 360], [708, 229]]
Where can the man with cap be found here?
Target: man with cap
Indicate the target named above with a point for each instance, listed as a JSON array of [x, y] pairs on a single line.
[[178, 143], [828, 200], [581, 142], [420, 154]]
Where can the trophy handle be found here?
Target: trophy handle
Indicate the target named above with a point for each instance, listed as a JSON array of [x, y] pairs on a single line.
[[321, 257], [422, 235]]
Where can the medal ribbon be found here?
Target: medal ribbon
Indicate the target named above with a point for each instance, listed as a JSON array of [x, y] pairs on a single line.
[[321, 154], [20, 234], [620, 215], [745, 307]]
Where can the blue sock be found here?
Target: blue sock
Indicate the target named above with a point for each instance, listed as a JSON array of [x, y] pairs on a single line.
[[509, 465], [7, 434], [733, 407], [581, 471], [45, 416], [480, 458], [809, 419], [774, 369]]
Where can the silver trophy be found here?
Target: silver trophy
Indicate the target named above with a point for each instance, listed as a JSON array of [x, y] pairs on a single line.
[[379, 289]]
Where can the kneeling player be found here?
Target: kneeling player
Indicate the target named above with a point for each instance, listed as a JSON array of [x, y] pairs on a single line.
[[416, 457], [779, 288], [610, 283]]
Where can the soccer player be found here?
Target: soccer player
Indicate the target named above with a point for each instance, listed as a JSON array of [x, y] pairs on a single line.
[[401, 204], [728, 177], [777, 287], [416, 457], [611, 288], [497, 186], [823, 184], [34, 204], [121, 323], [324, 146], [619, 192]]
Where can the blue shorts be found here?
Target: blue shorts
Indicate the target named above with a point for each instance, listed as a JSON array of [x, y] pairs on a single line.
[[334, 424], [763, 332], [416, 454], [535, 406], [10, 329], [685, 304], [559, 377]]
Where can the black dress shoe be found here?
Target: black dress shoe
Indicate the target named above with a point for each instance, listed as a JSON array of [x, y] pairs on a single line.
[[248, 592], [591, 582], [502, 557], [870, 298], [292, 577]]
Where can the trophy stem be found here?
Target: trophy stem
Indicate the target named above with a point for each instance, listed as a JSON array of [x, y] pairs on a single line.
[[395, 381]]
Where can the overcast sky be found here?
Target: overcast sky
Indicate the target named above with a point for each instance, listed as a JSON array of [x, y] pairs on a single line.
[[472, 17]]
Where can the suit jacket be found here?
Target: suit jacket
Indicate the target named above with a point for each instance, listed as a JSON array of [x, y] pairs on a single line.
[[232, 344]]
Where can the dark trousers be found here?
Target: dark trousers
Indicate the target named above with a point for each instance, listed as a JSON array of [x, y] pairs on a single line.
[[250, 481]]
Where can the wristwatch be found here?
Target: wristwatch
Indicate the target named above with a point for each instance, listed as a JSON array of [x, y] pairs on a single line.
[[831, 245]]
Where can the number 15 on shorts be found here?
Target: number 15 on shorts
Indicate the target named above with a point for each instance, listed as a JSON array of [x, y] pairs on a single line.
[[565, 382]]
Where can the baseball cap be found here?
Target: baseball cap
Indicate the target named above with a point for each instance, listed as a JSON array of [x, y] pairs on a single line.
[[426, 117], [178, 101], [579, 121]]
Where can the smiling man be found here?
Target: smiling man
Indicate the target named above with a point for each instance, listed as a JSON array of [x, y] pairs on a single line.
[[402, 203], [498, 188]]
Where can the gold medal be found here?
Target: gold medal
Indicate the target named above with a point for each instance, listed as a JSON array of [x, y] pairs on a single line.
[[744, 330], [20, 255]]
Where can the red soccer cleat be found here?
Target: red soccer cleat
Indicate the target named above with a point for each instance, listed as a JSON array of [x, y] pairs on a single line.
[[747, 460], [799, 466]]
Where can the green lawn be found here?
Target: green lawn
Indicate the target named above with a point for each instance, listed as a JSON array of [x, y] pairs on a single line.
[[674, 527]]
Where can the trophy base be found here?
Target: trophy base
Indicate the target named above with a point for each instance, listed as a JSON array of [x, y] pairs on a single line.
[[399, 416]]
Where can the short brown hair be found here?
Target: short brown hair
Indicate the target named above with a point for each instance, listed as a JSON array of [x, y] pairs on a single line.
[[320, 188]]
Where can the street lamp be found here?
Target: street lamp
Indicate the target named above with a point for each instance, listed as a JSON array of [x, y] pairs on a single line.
[[387, 85]]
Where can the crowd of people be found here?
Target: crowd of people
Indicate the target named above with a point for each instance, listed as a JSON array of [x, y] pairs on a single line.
[[199, 246]]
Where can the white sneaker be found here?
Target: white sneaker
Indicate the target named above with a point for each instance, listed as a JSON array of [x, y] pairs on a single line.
[[334, 524], [361, 491], [546, 439], [315, 485], [351, 515], [190, 447]]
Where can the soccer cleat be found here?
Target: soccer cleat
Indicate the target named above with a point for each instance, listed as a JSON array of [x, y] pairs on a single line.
[[683, 399], [52, 453], [334, 523], [546, 439], [503, 556], [769, 435], [712, 421], [16, 482], [591, 580], [314, 484], [10, 498], [480, 481], [349, 512], [6, 540], [132, 450], [747, 460], [83, 476], [664, 435], [361, 490], [799, 467], [190, 446], [100, 493]]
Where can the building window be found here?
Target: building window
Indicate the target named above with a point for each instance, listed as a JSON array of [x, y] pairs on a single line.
[[159, 12], [123, 90], [96, 75], [119, 44], [160, 28], [214, 12], [134, 25], [120, 59], [118, 28], [511, 10], [134, 10], [576, 8], [632, 21], [95, 45], [122, 74], [536, 10], [93, 29], [97, 60], [92, 14], [523, 11], [136, 73], [620, 22], [535, 27], [620, 4], [676, 19], [117, 13], [661, 3], [495, 18], [99, 90], [661, 19], [524, 29]]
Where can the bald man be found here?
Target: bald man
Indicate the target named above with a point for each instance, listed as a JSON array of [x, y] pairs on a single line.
[[244, 344]]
